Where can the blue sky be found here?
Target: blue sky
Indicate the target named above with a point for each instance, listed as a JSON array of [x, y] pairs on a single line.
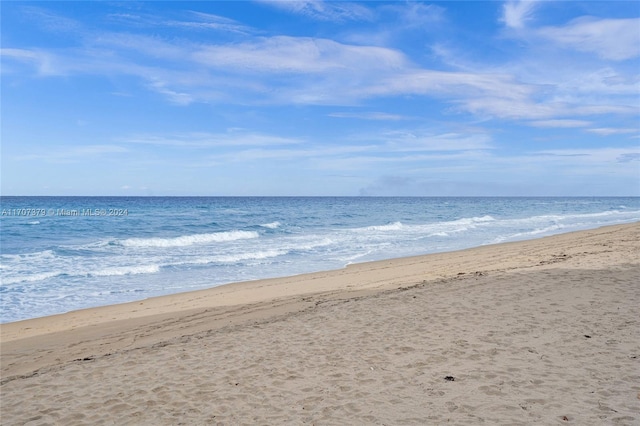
[[320, 98]]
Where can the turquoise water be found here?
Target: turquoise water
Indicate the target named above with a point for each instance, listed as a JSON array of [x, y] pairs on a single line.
[[65, 253]]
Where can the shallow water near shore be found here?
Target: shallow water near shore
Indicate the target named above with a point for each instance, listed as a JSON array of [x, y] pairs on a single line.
[[66, 253]]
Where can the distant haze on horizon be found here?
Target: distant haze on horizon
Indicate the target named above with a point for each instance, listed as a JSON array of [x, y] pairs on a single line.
[[314, 98]]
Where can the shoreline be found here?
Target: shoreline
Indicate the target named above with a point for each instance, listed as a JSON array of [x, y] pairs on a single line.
[[66, 272], [324, 283], [204, 298], [467, 294]]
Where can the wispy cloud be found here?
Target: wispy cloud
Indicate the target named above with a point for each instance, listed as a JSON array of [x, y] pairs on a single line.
[[629, 157], [612, 39], [412, 15], [232, 138], [515, 14], [608, 131], [437, 185], [377, 116], [73, 154], [323, 71], [483, 172], [311, 153], [51, 21], [207, 21], [189, 20], [285, 54], [43, 62], [590, 160], [178, 98], [418, 140], [400, 148], [560, 123], [324, 10]]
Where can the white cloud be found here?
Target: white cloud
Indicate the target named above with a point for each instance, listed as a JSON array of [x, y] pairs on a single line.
[[324, 10], [395, 147], [607, 81], [44, 62], [150, 46], [444, 182], [421, 141], [322, 71], [629, 157], [232, 138], [177, 98], [607, 131], [68, 154], [193, 20], [590, 159], [378, 116], [207, 21], [527, 108], [561, 123], [605, 109], [483, 173], [613, 39], [51, 21], [413, 14], [563, 85], [284, 54], [265, 155], [516, 13], [464, 88]]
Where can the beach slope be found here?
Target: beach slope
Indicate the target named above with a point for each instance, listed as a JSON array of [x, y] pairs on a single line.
[[544, 331]]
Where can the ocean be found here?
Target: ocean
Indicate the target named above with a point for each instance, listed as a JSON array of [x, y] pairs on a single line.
[[66, 253]]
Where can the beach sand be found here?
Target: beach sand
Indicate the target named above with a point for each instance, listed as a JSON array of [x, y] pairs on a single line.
[[536, 332]]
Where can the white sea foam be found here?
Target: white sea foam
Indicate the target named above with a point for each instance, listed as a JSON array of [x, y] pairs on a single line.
[[126, 270], [272, 225], [309, 243], [22, 277], [188, 240], [445, 229], [439, 234], [260, 255], [473, 220], [528, 234], [230, 258], [8, 280], [28, 257], [574, 219], [395, 226]]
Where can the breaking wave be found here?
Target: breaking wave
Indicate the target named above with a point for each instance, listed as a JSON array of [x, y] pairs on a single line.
[[189, 240]]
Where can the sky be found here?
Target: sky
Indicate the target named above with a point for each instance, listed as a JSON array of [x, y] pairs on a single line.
[[320, 98]]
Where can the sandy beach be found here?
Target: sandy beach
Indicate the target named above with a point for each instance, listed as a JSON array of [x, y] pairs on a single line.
[[545, 331]]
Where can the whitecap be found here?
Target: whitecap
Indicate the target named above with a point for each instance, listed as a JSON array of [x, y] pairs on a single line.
[[474, 220], [272, 225], [395, 226], [29, 278], [439, 234], [126, 270], [260, 255], [188, 240]]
